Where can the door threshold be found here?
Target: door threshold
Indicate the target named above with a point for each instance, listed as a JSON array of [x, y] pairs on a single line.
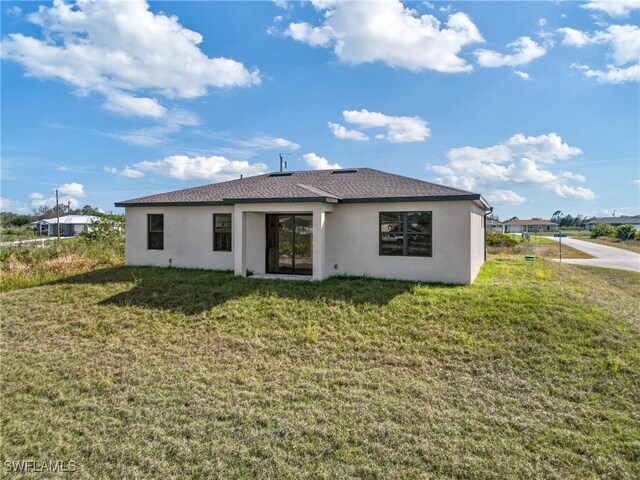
[[277, 276]]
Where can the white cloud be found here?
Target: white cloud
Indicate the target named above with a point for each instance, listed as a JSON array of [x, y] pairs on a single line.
[[612, 74], [339, 131], [522, 75], [62, 168], [15, 10], [265, 142], [67, 194], [72, 189], [623, 40], [120, 49], [573, 176], [624, 50], [524, 50], [16, 206], [127, 172], [389, 32], [637, 182], [314, 36], [567, 191], [614, 8], [504, 197], [317, 162], [399, 129], [215, 168], [131, 172], [516, 161]]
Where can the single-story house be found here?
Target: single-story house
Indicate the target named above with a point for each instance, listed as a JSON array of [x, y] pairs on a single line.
[[494, 226], [316, 223], [534, 225], [70, 225], [615, 221]]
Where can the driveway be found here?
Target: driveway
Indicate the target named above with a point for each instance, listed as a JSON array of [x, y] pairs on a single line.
[[605, 256]]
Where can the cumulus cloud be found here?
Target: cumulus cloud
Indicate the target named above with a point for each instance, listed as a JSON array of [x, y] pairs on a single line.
[[504, 197], [120, 50], [215, 168], [624, 52], [518, 161], [72, 189], [340, 131], [67, 194], [389, 32], [613, 8], [316, 162], [398, 129], [524, 50]]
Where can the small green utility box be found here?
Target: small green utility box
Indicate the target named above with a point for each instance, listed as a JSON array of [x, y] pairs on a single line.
[[529, 258]]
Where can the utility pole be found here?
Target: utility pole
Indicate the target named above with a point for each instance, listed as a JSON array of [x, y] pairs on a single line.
[[57, 215]]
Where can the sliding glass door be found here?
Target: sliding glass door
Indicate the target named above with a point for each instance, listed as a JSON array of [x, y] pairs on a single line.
[[290, 244]]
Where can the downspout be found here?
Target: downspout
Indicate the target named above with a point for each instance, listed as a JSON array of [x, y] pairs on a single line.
[[485, 231]]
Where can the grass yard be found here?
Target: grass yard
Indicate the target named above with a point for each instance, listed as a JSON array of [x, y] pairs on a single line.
[[539, 247], [531, 372]]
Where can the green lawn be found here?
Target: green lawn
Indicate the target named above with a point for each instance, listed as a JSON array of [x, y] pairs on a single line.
[[531, 372]]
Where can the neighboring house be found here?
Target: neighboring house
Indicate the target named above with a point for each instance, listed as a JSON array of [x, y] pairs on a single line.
[[317, 223], [494, 226], [615, 221], [523, 226], [70, 225]]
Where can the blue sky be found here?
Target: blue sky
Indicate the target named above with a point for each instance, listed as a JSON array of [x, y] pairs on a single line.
[[536, 105]]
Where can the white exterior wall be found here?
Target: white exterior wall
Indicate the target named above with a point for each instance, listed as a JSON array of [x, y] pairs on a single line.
[[352, 243], [188, 238], [349, 234]]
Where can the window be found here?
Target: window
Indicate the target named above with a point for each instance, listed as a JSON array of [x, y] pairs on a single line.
[[155, 232], [221, 232], [405, 234]]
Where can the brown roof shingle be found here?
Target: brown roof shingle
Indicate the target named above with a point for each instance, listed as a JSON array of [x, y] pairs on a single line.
[[348, 185]]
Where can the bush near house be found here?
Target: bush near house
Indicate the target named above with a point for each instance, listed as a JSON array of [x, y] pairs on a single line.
[[500, 240], [602, 230], [626, 232]]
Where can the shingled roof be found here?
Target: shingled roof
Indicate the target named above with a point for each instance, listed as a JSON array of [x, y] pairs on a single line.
[[334, 186]]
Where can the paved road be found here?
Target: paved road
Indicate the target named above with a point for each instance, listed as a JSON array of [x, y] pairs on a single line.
[[605, 256]]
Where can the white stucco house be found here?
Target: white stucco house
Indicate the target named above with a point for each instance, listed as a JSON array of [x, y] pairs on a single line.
[[315, 223], [70, 225], [533, 225]]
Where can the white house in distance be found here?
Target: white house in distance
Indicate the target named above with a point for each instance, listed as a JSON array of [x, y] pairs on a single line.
[[615, 221], [70, 225], [315, 223], [534, 225]]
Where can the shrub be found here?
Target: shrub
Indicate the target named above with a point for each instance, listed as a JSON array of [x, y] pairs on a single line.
[[602, 230], [626, 232], [500, 240]]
